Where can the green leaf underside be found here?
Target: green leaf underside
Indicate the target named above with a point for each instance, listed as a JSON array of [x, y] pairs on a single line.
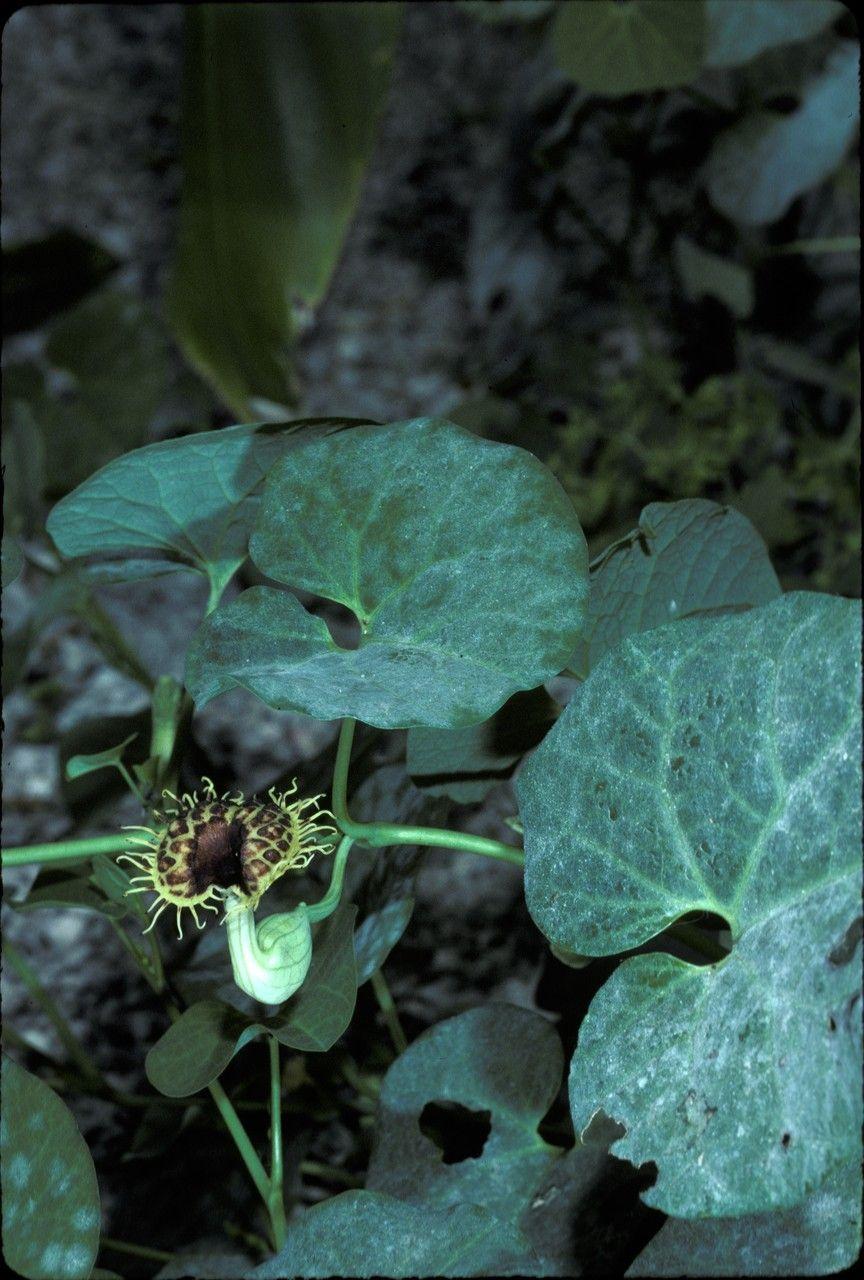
[[465, 764], [378, 934], [684, 557], [51, 1209], [820, 1236], [615, 49], [760, 166], [705, 274], [56, 888], [403, 524], [79, 765], [737, 32], [364, 1233], [282, 103], [197, 1048], [193, 500], [713, 765]]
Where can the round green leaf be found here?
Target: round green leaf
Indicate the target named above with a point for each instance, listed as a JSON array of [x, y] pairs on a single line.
[[50, 1195], [614, 49], [714, 765], [197, 1048], [463, 561]]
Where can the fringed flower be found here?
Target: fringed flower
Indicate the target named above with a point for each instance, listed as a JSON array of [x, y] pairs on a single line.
[[225, 851]]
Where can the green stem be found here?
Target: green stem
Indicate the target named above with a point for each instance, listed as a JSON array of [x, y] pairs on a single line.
[[136, 1250], [151, 969], [64, 850], [832, 244], [276, 1200], [328, 904], [388, 1009], [313, 1169], [384, 833], [79, 1055]]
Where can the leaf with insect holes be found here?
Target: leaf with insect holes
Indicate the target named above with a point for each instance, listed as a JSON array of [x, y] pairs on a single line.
[[50, 1196], [197, 1048], [402, 524], [714, 765]]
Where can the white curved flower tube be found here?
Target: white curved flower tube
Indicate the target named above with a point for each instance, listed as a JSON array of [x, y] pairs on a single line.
[[270, 962]]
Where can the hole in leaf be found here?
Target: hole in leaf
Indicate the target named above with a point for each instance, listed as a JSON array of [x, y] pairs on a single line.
[[458, 1133], [343, 626], [832, 1025], [785, 1140], [845, 948]]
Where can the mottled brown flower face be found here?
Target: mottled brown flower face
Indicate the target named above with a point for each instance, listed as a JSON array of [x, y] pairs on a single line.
[[219, 849]]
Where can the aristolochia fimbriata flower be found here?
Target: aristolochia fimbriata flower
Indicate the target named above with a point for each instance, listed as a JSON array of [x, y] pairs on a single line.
[[224, 851]]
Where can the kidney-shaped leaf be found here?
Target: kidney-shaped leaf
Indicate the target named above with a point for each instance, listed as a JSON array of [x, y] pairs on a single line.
[[760, 166], [714, 765], [200, 1044], [615, 49], [188, 503], [684, 557], [364, 1233], [820, 1236], [50, 1196], [462, 559]]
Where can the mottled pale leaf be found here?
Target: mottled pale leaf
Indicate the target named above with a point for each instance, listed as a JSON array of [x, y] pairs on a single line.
[[280, 113], [705, 274], [458, 608], [820, 1236], [738, 30], [714, 765], [191, 501], [684, 558], [761, 165], [50, 1196], [197, 1048], [364, 1233], [614, 49]]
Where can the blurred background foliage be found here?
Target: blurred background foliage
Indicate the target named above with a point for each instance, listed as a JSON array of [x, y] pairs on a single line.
[[659, 285]]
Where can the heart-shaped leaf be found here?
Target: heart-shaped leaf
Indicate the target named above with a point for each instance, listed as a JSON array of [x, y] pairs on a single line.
[[188, 503], [50, 1197], [684, 558], [364, 1233], [198, 1047], [820, 1236], [57, 888], [111, 758], [615, 49], [761, 165], [402, 524], [715, 766]]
